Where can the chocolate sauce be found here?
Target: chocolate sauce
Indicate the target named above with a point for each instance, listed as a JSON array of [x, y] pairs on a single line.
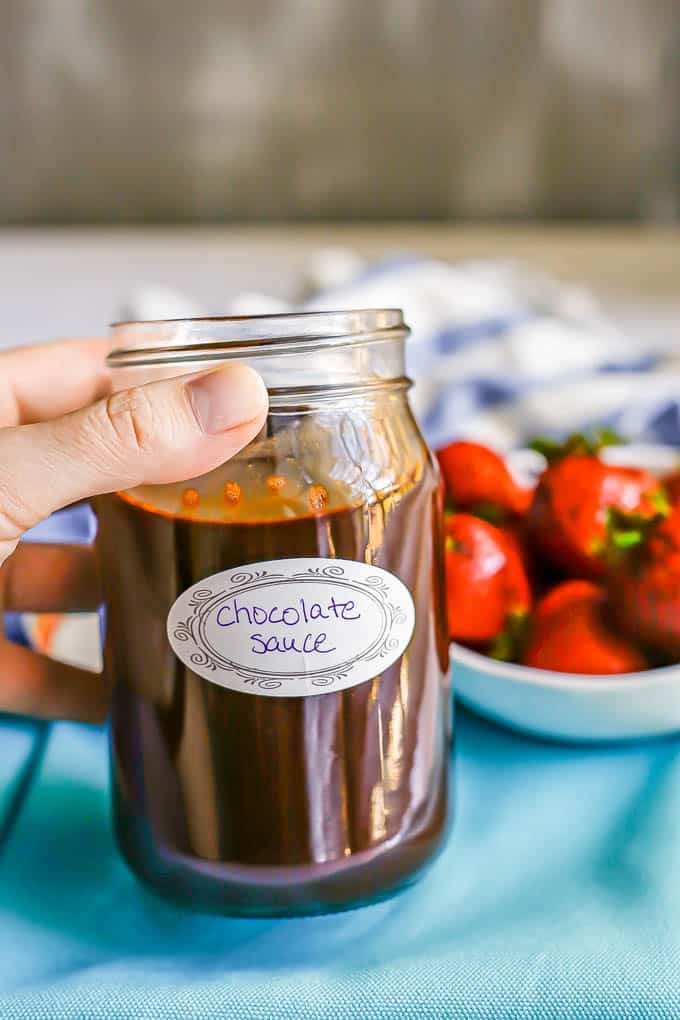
[[240, 803]]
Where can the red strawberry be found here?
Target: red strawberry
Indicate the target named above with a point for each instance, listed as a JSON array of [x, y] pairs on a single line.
[[518, 555], [478, 478], [672, 487], [644, 580], [570, 635], [568, 516], [561, 598], [487, 587]]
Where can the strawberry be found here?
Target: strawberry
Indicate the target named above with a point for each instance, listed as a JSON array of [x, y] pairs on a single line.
[[672, 486], [487, 588], [515, 538], [644, 580], [561, 598], [569, 634], [568, 516], [477, 479]]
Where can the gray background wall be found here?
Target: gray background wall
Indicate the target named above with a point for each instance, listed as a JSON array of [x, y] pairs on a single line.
[[318, 109]]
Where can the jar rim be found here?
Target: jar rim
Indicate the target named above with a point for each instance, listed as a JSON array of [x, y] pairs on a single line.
[[200, 339], [374, 318], [303, 357]]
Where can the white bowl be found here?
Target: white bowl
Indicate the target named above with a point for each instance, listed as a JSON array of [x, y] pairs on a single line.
[[571, 706]]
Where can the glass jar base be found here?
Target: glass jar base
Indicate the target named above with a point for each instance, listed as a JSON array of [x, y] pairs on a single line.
[[212, 888]]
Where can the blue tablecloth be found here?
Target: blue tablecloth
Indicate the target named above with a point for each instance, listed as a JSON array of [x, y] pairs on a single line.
[[557, 896]]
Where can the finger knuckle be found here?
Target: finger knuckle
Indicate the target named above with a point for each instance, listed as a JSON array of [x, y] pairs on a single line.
[[129, 420]]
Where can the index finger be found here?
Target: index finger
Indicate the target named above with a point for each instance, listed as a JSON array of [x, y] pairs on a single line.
[[48, 380]]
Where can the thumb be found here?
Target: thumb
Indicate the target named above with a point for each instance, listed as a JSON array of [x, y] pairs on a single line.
[[161, 432]]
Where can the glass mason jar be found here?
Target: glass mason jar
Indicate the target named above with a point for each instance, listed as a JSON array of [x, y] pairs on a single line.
[[276, 629]]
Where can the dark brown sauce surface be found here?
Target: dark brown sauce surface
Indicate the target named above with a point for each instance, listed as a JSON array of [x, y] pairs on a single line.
[[238, 802]]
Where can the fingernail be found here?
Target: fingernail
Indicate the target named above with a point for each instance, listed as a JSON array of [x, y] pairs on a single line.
[[227, 398]]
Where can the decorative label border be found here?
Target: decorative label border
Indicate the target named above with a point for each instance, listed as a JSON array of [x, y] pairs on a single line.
[[187, 631]]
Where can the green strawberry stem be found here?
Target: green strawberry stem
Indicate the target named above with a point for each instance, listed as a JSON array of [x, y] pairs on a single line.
[[628, 529], [577, 444], [492, 513], [509, 644]]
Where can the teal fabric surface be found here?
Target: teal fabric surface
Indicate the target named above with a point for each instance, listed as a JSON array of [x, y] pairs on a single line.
[[557, 897], [20, 752]]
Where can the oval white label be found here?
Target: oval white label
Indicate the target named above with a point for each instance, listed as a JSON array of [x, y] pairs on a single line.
[[291, 628]]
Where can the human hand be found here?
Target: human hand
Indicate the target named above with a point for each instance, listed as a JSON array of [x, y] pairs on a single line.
[[63, 438]]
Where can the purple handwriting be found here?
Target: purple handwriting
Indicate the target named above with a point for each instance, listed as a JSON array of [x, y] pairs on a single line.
[[290, 616], [311, 643]]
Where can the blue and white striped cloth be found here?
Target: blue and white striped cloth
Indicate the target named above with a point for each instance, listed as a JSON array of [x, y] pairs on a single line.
[[487, 334]]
